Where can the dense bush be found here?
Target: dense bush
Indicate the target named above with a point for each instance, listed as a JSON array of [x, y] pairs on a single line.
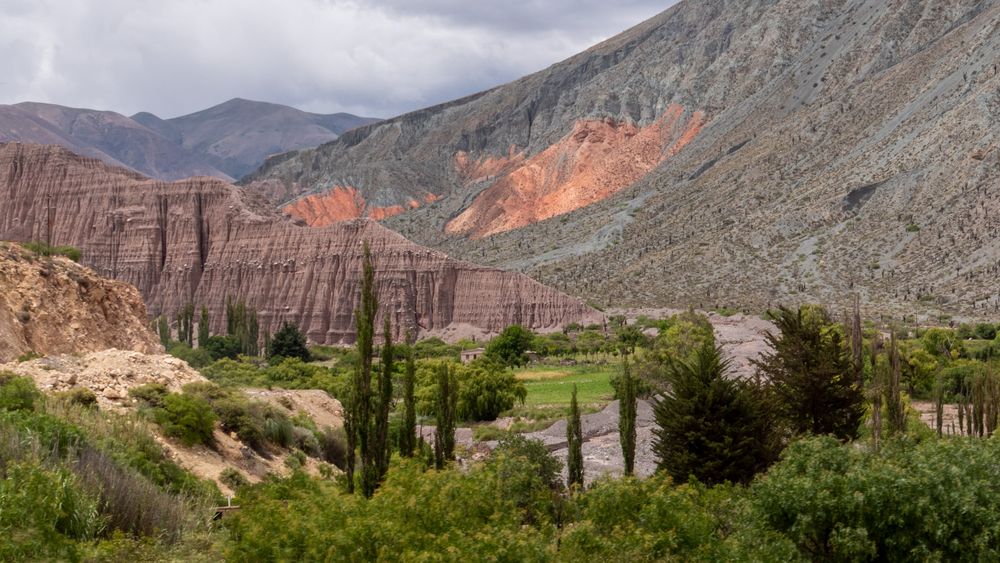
[[79, 396], [42, 249], [289, 342], [485, 391], [938, 500], [195, 357], [187, 418], [17, 393], [222, 346], [509, 347]]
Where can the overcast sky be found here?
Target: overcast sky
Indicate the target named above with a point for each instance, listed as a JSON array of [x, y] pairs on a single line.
[[369, 57]]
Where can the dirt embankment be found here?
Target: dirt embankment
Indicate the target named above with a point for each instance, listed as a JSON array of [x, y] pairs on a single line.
[[51, 305]]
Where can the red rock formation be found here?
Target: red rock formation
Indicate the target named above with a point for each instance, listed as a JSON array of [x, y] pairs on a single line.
[[596, 160], [341, 204], [201, 239]]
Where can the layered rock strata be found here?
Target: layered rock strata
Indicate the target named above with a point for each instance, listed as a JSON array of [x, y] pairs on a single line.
[[201, 240]]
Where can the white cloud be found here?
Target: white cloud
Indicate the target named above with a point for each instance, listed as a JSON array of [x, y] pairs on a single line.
[[362, 56]]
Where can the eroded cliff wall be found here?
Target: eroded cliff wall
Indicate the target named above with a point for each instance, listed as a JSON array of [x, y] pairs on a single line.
[[200, 240]]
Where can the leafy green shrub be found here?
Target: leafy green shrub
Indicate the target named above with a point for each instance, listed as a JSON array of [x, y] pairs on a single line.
[[28, 356], [228, 372], [195, 357], [222, 346], [150, 395], [279, 431], [333, 446], [486, 391], [938, 500], [42, 249], [81, 396], [17, 393], [233, 479], [188, 418]]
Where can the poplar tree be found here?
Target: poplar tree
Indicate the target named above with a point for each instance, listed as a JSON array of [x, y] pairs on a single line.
[[409, 429], [574, 439], [163, 327], [626, 418], [447, 404], [357, 415], [381, 448], [204, 332]]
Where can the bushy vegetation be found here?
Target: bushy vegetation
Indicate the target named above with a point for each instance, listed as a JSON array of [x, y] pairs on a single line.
[[42, 249]]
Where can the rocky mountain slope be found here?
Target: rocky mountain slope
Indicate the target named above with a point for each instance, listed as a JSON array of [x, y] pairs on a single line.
[[738, 153], [53, 306], [200, 240], [225, 141]]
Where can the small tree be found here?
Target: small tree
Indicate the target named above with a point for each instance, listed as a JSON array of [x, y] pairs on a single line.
[[626, 418], [811, 375], [510, 345], [574, 439], [711, 426], [289, 342], [408, 432], [163, 327], [447, 399], [204, 330]]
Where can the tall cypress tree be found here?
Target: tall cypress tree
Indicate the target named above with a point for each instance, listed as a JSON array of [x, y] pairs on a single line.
[[626, 419], [408, 431], [574, 439], [447, 405], [381, 449], [357, 419], [204, 331]]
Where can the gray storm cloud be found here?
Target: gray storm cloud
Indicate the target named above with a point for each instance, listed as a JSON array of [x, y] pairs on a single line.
[[368, 57]]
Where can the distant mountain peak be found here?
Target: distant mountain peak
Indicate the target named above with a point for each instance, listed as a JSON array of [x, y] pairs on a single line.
[[227, 140]]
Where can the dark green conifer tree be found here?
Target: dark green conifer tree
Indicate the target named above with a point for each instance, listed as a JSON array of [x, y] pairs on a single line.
[[813, 379], [408, 431], [358, 415], [626, 419], [711, 426], [447, 405], [204, 330], [381, 448], [289, 342], [163, 327], [574, 439]]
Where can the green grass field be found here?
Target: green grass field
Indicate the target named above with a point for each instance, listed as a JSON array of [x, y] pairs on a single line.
[[553, 385]]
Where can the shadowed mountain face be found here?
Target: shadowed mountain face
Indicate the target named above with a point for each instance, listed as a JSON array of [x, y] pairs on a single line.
[[226, 141], [200, 240], [725, 152]]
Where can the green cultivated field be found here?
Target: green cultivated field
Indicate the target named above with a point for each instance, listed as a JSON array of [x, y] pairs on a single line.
[[553, 385]]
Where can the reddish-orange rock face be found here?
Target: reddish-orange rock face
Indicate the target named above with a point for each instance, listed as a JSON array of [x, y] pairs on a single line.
[[200, 240], [594, 161], [343, 204]]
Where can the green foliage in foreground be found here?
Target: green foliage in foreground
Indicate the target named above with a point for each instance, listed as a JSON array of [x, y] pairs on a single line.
[[825, 501]]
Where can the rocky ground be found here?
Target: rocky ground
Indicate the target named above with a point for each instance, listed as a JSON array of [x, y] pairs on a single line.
[[51, 305]]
